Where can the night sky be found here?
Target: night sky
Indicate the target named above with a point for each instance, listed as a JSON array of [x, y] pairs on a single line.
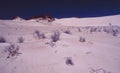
[[58, 8]]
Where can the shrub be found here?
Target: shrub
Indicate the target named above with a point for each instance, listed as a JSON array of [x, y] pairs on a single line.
[[79, 29], [106, 29], [55, 36], [39, 35], [12, 50], [69, 61], [93, 29], [2, 40], [114, 32], [20, 39], [82, 39]]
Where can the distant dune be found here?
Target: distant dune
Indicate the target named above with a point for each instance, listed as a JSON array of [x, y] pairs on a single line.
[[96, 21]]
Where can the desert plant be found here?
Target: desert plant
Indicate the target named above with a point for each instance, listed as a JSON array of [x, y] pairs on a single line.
[[93, 29], [114, 33], [106, 30], [12, 50], [55, 36], [79, 29], [20, 39], [69, 61], [39, 35], [2, 40], [82, 39]]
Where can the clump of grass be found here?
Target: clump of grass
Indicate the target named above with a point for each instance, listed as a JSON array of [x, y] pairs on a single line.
[[12, 50], [2, 39], [79, 29], [114, 32], [82, 39], [55, 36], [20, 39], [39, 35], [69, 61]]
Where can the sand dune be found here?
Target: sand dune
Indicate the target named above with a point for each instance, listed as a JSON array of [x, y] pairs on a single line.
[[99, 53]]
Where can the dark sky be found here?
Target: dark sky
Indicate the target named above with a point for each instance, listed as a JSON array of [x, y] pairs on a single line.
[[58, 8]]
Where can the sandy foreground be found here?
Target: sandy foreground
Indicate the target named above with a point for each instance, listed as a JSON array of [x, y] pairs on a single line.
[[100, 53]]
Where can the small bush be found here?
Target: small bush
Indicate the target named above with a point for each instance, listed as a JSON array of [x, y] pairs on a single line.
[[39, 35], [79, 29], [69, 61], [105, 29], [12, 50], [2, 40], [114, 32], [82, 39], [93, 29], [20, 39], [55, 36]]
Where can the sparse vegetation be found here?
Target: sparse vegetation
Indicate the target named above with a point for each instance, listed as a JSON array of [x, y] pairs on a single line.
[[69, 61], [55, 36], [79, 29], [12, 50], [114, 32], [93, 29], [20, 39], [2, 39], [39, 35], [82, 39]]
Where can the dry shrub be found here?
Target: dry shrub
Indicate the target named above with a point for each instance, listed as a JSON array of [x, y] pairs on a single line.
[[2, 39], [12, 50], [39, 35], [55, 36], [82, 39], [20, 39]]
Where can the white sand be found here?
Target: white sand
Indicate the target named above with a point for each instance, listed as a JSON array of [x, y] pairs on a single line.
[[101, 50]]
